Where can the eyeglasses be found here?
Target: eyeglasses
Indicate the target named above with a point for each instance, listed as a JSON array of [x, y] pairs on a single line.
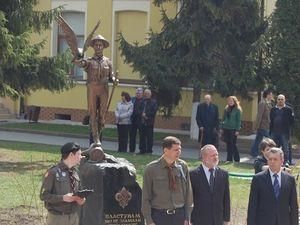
[[280, 99]]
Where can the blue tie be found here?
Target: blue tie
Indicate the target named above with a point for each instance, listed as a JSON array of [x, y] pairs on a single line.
[[276, 186]]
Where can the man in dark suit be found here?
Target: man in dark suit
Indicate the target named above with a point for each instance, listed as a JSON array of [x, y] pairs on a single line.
[[136, 119], [207, 118], [148, 118], [281, 121], [273, 196], [210, 186]]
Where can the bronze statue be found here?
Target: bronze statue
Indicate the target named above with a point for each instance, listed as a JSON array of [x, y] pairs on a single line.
[[99, 72]]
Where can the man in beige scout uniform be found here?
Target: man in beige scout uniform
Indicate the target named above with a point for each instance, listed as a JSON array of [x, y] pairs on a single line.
[[167, 197]]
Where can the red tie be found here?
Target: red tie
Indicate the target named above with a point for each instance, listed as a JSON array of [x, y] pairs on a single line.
[[172, 179], [72, 180]]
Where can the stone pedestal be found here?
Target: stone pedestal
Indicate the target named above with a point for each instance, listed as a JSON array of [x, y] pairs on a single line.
[[117, 196]]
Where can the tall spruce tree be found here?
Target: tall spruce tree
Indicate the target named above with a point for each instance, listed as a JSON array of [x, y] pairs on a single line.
[[21, 68], [284, 51], [205, 46]]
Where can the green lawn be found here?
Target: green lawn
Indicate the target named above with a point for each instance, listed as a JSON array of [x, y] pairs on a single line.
[[22, 166]]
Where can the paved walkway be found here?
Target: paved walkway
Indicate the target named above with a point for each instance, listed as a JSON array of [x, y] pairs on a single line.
[[187, 152]]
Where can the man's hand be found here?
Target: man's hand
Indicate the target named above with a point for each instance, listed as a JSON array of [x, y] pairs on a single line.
[[144, 116], [80, 62], [69, 197], [225, 223], [236, 133], [80, 201], [201, 128], [115, 81], [187, 222]]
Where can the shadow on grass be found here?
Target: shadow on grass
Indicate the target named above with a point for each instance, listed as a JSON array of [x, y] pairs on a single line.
[[22, 146]]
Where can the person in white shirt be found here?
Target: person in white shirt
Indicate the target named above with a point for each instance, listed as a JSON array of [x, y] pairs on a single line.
[[123, 120]]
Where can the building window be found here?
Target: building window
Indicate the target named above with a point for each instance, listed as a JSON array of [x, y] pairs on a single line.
[[76, 21]]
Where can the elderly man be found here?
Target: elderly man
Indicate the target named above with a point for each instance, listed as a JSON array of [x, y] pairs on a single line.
[[207, 118], [99, 72], [136, 118], [167, 195], [148, 117], [210, 186], [282, 120], [59, 184], [273, 196]]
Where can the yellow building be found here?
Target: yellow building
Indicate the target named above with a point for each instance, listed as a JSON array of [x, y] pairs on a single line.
[[133, 18]]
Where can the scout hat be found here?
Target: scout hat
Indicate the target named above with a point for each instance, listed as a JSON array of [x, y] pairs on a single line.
[[100, 38]]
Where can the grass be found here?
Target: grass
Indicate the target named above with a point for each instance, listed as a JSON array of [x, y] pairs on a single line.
[[22, 166], [76, 129]]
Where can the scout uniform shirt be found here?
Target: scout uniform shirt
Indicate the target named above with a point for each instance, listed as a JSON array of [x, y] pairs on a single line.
[[57, 183], [156, 193]]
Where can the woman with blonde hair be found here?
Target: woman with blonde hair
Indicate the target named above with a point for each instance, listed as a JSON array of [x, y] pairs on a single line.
[[230, 127]]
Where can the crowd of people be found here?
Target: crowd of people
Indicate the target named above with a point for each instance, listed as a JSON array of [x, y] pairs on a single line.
[[134, 115], [171, 194], [174, 195], [210, 128], [274, 120]]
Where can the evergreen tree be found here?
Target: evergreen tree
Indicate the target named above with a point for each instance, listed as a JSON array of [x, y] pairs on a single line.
[[21, 68], [205, 46], [284, 51]]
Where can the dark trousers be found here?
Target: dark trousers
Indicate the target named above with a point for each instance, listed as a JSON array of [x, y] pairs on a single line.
[[210, 136], [282, 140], [160, 217], [146, 139], [260, 134], [133, 132], [123, 134], [231, 148]]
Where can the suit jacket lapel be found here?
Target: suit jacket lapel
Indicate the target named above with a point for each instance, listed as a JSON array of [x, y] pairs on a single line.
[[283, 183], [217, 178], [203, 176]]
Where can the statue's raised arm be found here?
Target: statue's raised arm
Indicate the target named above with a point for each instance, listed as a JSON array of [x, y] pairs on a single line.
[[71, 39]]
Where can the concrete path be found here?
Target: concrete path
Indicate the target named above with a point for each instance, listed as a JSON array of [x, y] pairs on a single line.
[[187, 152]]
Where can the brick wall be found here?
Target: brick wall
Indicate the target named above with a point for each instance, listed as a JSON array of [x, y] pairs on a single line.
[[174, 123]]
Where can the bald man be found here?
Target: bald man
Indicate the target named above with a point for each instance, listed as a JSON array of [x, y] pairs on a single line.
[[281, 122], [207, 118], [210, 186]]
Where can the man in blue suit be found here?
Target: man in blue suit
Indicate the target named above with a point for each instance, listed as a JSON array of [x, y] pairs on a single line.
[[273, 196]]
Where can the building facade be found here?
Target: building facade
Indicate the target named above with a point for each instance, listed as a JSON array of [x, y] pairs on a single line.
[[134, 18]]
